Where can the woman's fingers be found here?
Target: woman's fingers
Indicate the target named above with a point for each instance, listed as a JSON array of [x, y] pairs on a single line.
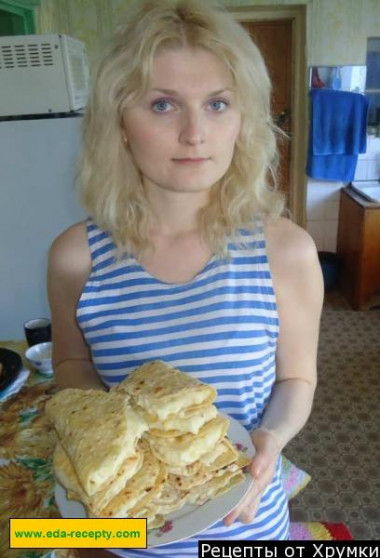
[[262, 469], [247, 508], [248, 513], [248, 499]]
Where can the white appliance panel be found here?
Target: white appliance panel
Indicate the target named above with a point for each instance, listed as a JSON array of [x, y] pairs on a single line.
[[38, 201]]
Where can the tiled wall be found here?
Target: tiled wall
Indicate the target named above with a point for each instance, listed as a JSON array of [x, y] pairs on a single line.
[[322, 212], [368, 167], [323, 198]]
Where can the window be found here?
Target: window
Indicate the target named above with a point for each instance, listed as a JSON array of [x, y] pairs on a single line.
[[372, 89], [17, 17]]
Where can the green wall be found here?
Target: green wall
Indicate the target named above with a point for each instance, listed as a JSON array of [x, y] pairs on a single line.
[[337, 30]]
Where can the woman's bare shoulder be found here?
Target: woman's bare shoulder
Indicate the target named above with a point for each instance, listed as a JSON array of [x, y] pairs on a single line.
[[293, 259], [70, 250], [294, 263], [288, 243]]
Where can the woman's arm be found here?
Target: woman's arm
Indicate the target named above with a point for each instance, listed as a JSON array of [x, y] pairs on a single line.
[[298, 286], [68, 268]]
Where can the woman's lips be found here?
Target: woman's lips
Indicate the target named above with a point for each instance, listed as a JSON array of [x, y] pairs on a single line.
[[191, 161]]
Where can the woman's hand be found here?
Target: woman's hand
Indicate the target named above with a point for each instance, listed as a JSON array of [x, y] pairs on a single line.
[[262, 468]]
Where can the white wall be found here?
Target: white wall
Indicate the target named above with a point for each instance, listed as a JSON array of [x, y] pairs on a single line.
[[322, 204], [37, 159]]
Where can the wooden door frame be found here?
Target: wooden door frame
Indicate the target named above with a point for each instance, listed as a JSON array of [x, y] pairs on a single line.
[[299, 80]]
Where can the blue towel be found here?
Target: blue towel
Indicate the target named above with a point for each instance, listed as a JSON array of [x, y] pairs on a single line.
[[338, 133]]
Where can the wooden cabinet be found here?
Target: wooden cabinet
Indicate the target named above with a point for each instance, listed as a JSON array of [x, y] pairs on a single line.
[[359, 249]]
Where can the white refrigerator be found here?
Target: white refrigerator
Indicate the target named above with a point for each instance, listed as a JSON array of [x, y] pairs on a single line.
[[37, 202]]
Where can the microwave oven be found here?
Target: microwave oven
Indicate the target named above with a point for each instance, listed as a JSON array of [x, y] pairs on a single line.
[[42, 74]]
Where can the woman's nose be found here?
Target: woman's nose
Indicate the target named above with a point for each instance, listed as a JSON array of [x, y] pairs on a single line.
[[192, 129]]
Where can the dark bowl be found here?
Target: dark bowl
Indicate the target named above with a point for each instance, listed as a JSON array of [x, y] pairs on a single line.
[[12, 364]]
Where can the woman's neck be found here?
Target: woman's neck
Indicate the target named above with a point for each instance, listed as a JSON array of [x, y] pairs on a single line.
[[176, 214]]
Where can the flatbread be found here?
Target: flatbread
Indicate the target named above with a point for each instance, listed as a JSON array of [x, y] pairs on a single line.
[[162, 390], [98, 431], [215, 487], [220, 455], [146, 448], [186, 449], [67, 476], [154, 520], [139, 490], [243, 460], [181, 482], [205, 474], [175, 426], [186, 470], [169, 500]]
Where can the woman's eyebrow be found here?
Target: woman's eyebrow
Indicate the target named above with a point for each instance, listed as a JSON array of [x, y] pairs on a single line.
[[174, 92]]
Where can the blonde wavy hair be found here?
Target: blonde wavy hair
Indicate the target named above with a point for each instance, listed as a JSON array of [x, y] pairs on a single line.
[[111, 185]]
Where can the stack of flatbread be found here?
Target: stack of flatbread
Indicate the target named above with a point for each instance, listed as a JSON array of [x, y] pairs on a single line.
[[146, 448]]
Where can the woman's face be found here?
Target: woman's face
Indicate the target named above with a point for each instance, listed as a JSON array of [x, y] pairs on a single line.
[[183, 131]]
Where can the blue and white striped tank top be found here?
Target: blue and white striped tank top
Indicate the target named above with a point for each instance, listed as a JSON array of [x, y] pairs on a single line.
[[221, 327]]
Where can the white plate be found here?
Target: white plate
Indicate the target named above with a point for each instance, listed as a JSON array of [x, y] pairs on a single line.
[[189, 520]]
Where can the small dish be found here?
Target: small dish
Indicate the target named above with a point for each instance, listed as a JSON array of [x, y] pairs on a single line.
[[40, 357]]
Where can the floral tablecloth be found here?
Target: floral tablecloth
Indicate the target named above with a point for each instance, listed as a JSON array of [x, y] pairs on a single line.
[[26, 448]]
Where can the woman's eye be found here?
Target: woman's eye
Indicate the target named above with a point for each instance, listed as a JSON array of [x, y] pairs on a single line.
[[218, 105], [161, 106]]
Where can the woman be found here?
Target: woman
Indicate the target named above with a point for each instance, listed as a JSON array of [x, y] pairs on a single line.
[[186, 257]]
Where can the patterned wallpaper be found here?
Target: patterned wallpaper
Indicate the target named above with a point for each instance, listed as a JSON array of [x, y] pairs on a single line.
[[89, 20], [337, 30]]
